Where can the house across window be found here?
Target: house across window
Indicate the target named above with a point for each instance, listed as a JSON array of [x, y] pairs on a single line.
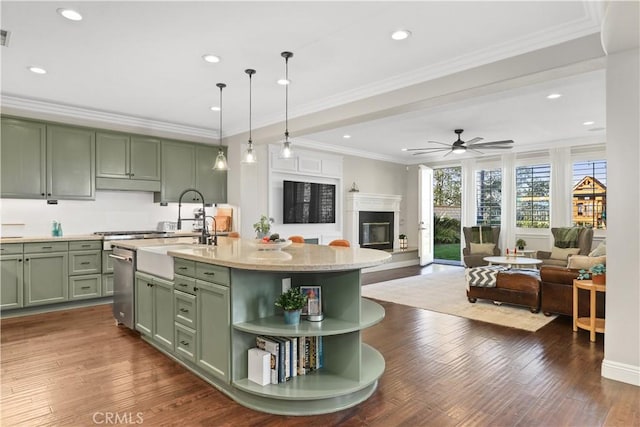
[[532, 196], [589, 201]]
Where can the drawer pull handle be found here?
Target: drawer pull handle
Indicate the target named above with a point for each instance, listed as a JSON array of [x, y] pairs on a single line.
[[209, 273], [85, 287], [182, 268], [183, 285], [85, 263], [86, 246], [184, 310], [184, 342], [47, 247]]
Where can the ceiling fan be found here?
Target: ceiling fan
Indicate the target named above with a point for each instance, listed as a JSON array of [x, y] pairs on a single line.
[[461, 146]]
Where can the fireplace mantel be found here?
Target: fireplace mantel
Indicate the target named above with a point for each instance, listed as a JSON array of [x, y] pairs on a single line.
[[356, 202]]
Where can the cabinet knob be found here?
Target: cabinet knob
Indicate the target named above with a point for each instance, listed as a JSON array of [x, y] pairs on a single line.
[[27, 259], [184, 310], [195, 289], [19, 260], [42, 194], [184, 342], [131, 174], [48, 194]]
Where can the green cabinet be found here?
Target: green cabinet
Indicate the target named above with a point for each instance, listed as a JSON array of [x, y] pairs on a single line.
[[70, 163], [187, 165], [154, 309], [23, 152], [127, 162], [213, 321], [86, 286], [11, 281], [46, 278]]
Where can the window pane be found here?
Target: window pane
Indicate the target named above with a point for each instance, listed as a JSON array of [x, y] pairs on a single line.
[[488, 196], [532, 196], [589, 201]]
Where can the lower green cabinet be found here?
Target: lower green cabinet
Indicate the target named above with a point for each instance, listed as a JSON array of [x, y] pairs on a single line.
[[107, 285], [11, 281], [185, 342], [87, 286], [213, 321], [46, 278], [154, 309]]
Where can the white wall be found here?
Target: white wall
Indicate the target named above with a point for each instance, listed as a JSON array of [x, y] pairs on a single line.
[[110, 211]]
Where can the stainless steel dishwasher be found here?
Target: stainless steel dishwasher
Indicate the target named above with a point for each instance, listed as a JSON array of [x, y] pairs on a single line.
[[124, 268]]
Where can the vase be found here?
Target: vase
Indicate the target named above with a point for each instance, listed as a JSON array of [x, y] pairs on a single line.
[[599, 279], [260, 234], [292, 317]]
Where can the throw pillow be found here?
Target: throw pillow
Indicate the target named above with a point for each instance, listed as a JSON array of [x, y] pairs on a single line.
[[584, 262], [482, 248], [563, 253], [600, 250]]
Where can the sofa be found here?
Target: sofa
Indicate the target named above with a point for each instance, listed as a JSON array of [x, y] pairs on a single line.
[[560, 256], [519, 287], [556, 286], [473, 253]]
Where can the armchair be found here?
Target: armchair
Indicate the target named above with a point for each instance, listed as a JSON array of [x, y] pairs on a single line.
[[473, 255], [559, 257]]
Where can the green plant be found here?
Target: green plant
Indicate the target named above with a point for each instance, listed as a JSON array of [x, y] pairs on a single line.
[[293, 299], [402, 236], [264, 225], [595, 270], [521, 243]]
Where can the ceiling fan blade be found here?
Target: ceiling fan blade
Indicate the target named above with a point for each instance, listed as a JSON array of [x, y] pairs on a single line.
[[441, 143], [507, 141], [473, 141], [422, 149], [448, 152], [475, 150], [493, 147], [436, 150]]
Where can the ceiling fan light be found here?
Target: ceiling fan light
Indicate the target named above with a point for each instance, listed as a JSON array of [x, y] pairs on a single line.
[[458, 149]]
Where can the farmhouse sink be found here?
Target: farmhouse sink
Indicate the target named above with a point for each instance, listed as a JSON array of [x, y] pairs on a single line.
[[154, 259]]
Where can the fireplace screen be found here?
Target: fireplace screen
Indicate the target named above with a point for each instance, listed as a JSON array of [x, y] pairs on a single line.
[[376, 230]]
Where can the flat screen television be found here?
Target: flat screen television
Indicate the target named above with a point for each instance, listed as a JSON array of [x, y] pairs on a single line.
[[308, 203]]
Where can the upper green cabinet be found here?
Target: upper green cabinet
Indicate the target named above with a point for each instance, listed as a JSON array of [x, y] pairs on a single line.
[[23, 151], [70, 163], [127, 162], [47, 161], [186, 166]]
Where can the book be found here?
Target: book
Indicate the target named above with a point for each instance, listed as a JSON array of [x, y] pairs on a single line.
[[294, 356], [284, 359], [320, 354], [314, 300], [273, 348], [301, 346]]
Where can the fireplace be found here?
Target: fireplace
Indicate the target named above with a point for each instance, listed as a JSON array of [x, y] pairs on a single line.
[[376, 230]]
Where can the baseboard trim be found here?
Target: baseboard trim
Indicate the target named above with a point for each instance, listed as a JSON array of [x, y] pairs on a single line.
[[391, 265], [621, 372], [39, 309]]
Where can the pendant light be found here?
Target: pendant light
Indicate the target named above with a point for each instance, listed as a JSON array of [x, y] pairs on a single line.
[[250, 155], [221, 161], [285, 151]]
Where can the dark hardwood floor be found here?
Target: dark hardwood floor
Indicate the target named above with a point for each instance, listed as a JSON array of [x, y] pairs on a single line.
[[77, 368]]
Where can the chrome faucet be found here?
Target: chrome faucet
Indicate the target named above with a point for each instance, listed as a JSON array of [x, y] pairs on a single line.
[[203, 239], [214, 241]]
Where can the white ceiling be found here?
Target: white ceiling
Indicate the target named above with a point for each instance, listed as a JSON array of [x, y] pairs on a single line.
[[139, 63]]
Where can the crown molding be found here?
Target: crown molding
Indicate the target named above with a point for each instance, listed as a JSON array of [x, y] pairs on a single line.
[[338, 149], [40, 109]]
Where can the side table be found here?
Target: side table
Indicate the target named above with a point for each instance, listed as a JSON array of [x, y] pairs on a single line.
[[592, 323]]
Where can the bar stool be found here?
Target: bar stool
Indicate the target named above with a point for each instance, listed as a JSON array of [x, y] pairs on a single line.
[[340, 242]]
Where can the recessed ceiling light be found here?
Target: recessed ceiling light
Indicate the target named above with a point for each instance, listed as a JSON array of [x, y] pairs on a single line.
[[554, 96], [346, 136], [284, 82], [211, 58], [215, 108], [37, 70], [589, 123], [70, 14], [400, 34]]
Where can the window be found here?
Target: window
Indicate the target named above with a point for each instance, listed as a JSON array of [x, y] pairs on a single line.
[[589, 195], [532, 196], [488, 196]]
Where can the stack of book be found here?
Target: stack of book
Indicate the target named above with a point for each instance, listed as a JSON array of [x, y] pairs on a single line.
[[292, 356]]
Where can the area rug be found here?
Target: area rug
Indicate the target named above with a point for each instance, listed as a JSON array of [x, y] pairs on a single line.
[[445, 292]]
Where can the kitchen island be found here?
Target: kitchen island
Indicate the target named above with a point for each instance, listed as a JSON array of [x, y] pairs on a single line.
[[223, 298]]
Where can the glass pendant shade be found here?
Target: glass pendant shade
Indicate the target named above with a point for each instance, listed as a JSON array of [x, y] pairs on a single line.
[[285, 150], [250, 155], [220, 163]]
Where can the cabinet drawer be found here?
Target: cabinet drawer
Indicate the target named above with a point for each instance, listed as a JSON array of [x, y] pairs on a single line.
[[184, 267], [185, 309], [212, 273], [185, 346], [184, 284], [107, 285], [85, 286], [32, 248], [85, 262], [85, 245], [11, 249]]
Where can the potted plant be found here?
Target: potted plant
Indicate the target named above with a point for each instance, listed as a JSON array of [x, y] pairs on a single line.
[[292, 302], [263, 226], [520, 243], [597, 273], [404, 242]]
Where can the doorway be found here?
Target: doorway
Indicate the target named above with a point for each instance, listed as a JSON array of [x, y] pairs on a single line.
[[447, 212]]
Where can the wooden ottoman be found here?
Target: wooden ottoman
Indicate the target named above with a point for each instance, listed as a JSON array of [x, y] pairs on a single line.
[[519, 287]]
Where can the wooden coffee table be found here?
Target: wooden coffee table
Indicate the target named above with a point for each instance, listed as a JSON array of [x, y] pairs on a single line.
[[510, 261]]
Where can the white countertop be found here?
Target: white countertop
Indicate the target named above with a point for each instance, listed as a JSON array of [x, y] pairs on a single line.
[[50, 239], [245, 254]]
